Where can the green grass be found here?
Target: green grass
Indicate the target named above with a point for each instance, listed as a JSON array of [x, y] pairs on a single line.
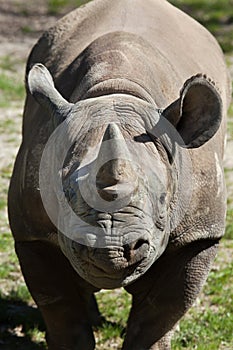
[[6, 63], [115, 307], [10, 90], [230, 122], [21, 294], [229, 222], [210, 325], [27, 30], [5, 269], [228, 177], [10, 128], [10, 63], [11, 86], [57, 6]]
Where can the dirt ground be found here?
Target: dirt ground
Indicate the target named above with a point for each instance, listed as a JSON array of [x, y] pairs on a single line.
[[21, 24]]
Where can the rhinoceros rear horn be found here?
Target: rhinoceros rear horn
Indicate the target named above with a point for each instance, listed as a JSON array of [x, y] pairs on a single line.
[[197, 114], [41, 86]]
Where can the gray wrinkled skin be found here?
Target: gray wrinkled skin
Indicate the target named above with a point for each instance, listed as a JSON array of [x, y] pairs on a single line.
[[119, 178]]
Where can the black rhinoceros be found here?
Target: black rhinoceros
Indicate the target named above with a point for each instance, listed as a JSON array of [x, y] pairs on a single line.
[[119, 181]]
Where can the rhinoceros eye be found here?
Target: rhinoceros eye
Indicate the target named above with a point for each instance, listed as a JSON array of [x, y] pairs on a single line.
[[143, 138], [162, 198]]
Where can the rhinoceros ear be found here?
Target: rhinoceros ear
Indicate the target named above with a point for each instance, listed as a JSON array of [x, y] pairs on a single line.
[[197, 114], [41, 86]]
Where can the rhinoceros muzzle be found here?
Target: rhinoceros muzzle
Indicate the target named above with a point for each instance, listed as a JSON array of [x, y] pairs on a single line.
[[110, 267], [132, 252], [115, 238], [112, 259]]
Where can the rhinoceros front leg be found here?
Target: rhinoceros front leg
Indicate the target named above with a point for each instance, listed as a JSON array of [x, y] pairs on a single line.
[[165, 293], [62, 296]]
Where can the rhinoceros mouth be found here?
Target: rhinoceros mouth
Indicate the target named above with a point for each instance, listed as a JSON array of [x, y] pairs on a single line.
[[112, 260], [105, 272], [98, 277]]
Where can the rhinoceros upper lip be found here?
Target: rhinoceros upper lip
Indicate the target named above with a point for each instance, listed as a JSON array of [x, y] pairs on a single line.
[[122, 271], [127, 259]]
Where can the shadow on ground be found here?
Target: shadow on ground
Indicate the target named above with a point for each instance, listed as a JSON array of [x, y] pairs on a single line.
[[17, 322]]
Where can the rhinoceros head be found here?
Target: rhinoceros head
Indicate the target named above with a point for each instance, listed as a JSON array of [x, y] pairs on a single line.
[[113, 177]]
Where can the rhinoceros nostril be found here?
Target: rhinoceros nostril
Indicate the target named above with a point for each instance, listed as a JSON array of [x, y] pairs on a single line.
[[136, 251], [140, 243]]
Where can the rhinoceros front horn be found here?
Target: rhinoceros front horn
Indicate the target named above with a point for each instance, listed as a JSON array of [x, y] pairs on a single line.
[[116, 178]]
